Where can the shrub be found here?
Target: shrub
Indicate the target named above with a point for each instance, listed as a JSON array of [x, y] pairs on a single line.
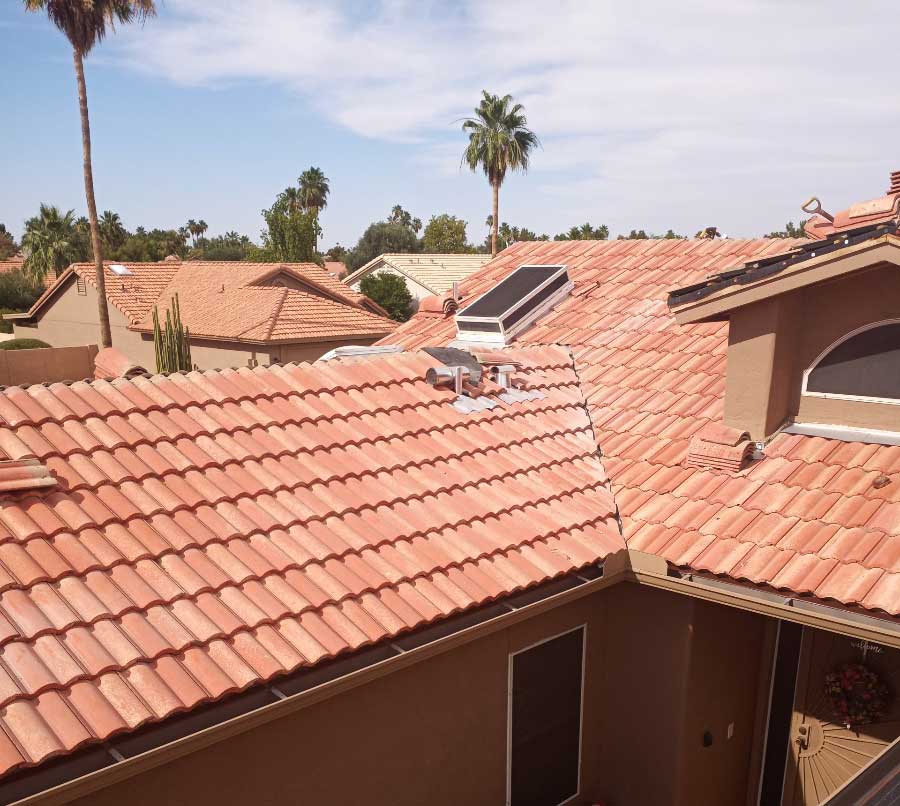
[[390, 292], [18, 292], [22, 344]]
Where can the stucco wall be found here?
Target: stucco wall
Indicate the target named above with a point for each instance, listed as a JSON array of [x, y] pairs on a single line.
[[435, 733], [772, 342]]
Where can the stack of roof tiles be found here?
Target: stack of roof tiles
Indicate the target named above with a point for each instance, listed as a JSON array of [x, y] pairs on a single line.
[[211, 531], [814, 517]]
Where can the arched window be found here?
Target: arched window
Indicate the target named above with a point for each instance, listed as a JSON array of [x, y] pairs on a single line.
[[863, 365]]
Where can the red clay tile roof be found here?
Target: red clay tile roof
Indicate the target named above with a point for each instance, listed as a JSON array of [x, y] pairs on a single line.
[[213, 530], [229, 300], [875, 211], [234, 301], [808, 518]]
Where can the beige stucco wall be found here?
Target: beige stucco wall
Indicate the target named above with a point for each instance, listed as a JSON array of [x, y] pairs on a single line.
[[436, 733], [72, 320], [772, 342]]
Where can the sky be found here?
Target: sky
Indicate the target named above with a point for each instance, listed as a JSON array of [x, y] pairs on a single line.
[[651, 114]]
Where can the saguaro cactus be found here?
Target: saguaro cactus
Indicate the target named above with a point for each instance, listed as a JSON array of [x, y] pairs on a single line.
[[172, 342]]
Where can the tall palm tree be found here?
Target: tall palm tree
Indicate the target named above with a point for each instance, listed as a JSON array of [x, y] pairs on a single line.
[[499, 141], [49, 242], [191, 227], [314, 190], [85, 23], [202, 226]]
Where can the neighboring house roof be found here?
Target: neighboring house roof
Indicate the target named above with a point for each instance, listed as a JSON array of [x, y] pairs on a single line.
[[436, 272], [235, 301], [17, 263], [232, 300], [212, 530], [806, 519], [335, 268]]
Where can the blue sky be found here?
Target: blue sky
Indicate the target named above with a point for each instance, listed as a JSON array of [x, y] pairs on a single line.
[[652, 114]]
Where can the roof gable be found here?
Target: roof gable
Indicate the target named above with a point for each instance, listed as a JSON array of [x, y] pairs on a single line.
[[435, 272]]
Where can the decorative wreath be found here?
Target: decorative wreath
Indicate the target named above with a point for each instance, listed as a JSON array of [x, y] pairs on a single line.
[[857, 695]]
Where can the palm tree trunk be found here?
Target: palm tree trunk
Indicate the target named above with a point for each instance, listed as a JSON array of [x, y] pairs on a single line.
[[495, 186], [315, 232], [103, 309]]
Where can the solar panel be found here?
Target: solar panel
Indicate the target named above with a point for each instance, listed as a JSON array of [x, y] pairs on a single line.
[[118, 268], [513, 304]]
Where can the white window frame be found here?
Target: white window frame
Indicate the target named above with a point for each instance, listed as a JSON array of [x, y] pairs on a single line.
[[509, 708], [890, 401]]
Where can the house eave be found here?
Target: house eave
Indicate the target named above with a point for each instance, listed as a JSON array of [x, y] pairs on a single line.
[[623, 566]]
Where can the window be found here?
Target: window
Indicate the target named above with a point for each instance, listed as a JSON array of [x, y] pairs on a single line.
[[81, 286], [863, 365], [545, 700]]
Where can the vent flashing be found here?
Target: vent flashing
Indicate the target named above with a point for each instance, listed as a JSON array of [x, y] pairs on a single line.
[[513, 305]]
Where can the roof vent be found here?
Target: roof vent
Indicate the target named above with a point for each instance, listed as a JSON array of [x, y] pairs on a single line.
[[119, 269], [18, 475], [454, 376], [720, 447], [513, 305]]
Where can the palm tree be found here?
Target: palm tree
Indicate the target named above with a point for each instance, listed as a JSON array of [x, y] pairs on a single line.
[[191, 227], [499, 141], [202, 226], [291, 197], [112, 232], [314, 190], [49, 242], [85, 23]]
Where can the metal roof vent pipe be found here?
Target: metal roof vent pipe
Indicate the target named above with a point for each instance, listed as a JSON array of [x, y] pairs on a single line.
[[452, 376], [502, 374]]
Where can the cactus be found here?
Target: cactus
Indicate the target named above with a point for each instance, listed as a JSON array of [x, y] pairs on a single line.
[[172, 342]]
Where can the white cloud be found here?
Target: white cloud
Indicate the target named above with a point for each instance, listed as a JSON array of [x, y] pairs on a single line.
[[652, 114]]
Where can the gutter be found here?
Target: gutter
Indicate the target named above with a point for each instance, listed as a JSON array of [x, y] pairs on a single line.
[[377, 662]]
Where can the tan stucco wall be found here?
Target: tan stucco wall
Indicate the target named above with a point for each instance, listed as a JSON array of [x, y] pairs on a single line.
[[435, 733], [772, 342], [72, 320]]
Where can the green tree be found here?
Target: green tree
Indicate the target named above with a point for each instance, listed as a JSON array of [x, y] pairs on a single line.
[[499, 141], [791, 230], [400, 216], [584, 233], [507, 235], [642, 235], [380, 238], [155, 245], [336, 253], [314, 190], [50, 242], [445, 233], [112, 233], [290, 235], [8, 245], [84, 24], [390, 292], [230, 246]]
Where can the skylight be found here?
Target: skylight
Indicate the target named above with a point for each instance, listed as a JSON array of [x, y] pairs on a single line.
[[513, 305], [118, 268]]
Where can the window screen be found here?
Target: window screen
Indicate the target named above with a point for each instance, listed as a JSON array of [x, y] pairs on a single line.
[[545, 721], [865, 365]]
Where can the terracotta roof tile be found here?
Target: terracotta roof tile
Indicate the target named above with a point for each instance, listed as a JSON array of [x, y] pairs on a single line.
[[210, 531], [258, 302], [652, 386]]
